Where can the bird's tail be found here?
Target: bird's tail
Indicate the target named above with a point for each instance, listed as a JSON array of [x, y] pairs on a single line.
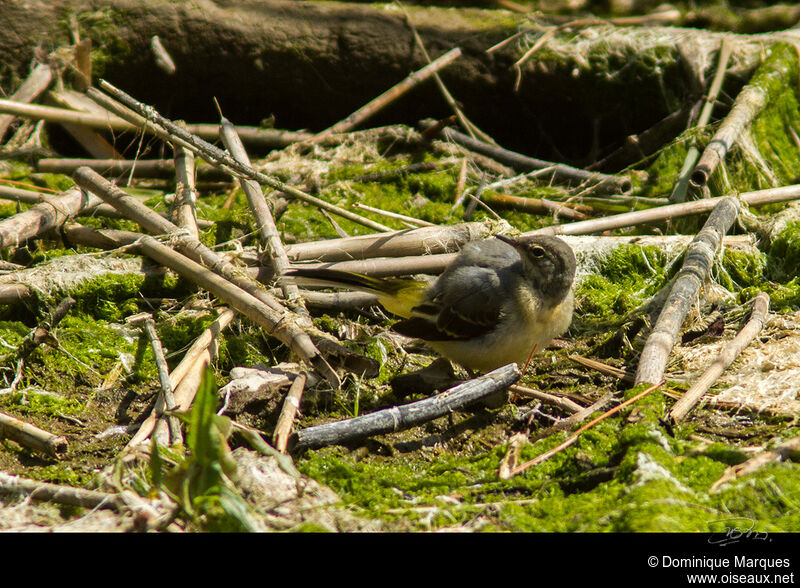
[[396, 295]]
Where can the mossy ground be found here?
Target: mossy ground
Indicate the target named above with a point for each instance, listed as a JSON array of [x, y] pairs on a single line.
[[628, 473]]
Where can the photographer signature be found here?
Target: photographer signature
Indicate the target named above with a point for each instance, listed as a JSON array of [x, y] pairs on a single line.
[[735, 534]]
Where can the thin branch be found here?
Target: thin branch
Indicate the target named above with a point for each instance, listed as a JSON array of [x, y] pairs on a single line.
[[392, 94], [576, 435], [32, 437]]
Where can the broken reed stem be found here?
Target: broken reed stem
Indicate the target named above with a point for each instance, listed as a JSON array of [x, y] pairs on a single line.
[[531, 205], [262, 213], [69, 495], [696, 266], [166, 130], [185, 204], [36, 83], [425, 240], [98, 208], [778, 71], [409, 415], [603, 368], [730, 352], [574, 437], [784, 450], [50, 214], [523, 163], [185, 378], [392, 94], [166, 399], [578, 417], [682, 185], [31, 437], [291, 406]]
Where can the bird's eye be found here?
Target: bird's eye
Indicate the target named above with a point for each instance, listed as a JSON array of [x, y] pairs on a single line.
[[537, 251]]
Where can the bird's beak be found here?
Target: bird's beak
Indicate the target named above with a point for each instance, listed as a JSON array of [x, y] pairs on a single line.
[[510, 240]]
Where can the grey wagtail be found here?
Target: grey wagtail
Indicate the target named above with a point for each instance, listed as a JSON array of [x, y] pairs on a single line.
[[496, 303]]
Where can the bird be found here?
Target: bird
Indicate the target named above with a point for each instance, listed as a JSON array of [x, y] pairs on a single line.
[[497, 302]]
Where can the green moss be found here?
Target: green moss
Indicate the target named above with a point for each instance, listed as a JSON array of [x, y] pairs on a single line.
[[621, 282], [43, 404]]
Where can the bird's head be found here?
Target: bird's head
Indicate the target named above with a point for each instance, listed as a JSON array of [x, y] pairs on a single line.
[[548, 262]]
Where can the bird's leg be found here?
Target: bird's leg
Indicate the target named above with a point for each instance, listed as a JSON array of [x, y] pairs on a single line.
[[530, 357]]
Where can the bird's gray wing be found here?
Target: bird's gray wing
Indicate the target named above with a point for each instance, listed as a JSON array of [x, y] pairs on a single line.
[[465, 302]]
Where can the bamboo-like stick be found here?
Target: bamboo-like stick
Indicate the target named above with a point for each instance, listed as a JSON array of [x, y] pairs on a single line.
[[409, 415], [381, 267], [392, 94], [48, 215], [773, 75], [32, 437], [169, 131], [661, 213], [98, 208], [731, 351], [784, 450], [603, 368], [685, 288], [94, 144], [523, 163], [185, 204], [425, 240], [291, 405], [59, 493], [200, 344], [34, 84], [682, 185]]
